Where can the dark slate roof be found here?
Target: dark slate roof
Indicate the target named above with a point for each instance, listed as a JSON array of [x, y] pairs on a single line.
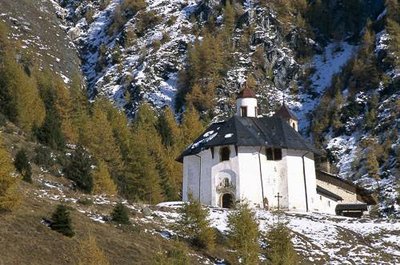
[[328, 194], [250, 131], [246, 92], [285, 113]]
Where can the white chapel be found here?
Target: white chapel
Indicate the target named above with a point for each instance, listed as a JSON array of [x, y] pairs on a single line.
[[266, 162]]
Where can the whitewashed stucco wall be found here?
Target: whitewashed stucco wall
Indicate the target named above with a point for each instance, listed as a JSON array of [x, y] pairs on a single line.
[[297, 187], [284, 176]]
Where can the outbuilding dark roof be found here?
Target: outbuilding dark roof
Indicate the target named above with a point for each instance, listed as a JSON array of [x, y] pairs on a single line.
[[328, 194], [250, 131]]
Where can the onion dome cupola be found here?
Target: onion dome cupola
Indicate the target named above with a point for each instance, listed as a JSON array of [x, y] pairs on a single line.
[[246, 103], [287, 115]]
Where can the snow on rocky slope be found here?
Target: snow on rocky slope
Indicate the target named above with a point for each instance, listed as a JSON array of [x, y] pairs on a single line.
[[318, 238], [129, 70], [148, 66]]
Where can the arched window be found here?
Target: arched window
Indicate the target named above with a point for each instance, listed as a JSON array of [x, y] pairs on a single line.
[[225, 153], [294, 125]]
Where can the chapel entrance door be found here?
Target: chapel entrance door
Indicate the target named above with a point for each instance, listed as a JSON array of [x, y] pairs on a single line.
[[227, 200]]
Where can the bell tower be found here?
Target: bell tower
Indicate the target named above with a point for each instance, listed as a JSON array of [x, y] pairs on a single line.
[[287, 115], [246, 103]]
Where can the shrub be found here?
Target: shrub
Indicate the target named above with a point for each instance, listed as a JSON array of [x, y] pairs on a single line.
[[61, 221], [120, 214], [43, 157], [91, 253], [177, 256]]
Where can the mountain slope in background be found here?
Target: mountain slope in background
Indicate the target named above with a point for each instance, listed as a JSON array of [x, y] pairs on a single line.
[[135, 51]]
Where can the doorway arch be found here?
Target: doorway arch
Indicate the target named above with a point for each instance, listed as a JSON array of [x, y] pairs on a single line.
[[227, 200]]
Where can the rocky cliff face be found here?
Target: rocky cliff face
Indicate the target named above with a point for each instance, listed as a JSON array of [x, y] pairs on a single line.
[[144, 61], [139, 55]]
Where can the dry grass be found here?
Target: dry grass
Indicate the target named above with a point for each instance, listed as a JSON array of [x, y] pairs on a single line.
[[25, 240]]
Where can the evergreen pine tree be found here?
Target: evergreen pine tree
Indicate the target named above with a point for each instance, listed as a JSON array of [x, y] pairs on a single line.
[[194, 224], [61, 221], [168, 128], [142, 179], [372, 165], [191, 126], [23, 166], [91, 253], [100, 138], [79, 169], [120, 214], [20, 100], [102, 181], [229, 18], [9, 196], [244, 234], [170, 171], [280, 247], [50, 133]]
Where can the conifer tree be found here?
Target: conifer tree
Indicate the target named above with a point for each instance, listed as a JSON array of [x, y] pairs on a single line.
[[102, 181], [120, 214], [392, 7], [191, 126], [229, 18], [63, 105], [280, 247], [393, 28], [22, 103], [91, 253], [100, 138], [23, 166], [61, 221], [170, 171], [372, 165], [79, 169], [168, 128], [50, 133], [195, 225], [121, 130], [142, 179], [244, 234], [9, 196]]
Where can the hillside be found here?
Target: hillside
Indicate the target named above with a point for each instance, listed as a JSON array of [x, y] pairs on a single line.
[[317, 238], [330, 71], [103, 95]]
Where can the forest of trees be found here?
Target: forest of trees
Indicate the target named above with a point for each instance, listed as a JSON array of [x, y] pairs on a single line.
[[135, 159]]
